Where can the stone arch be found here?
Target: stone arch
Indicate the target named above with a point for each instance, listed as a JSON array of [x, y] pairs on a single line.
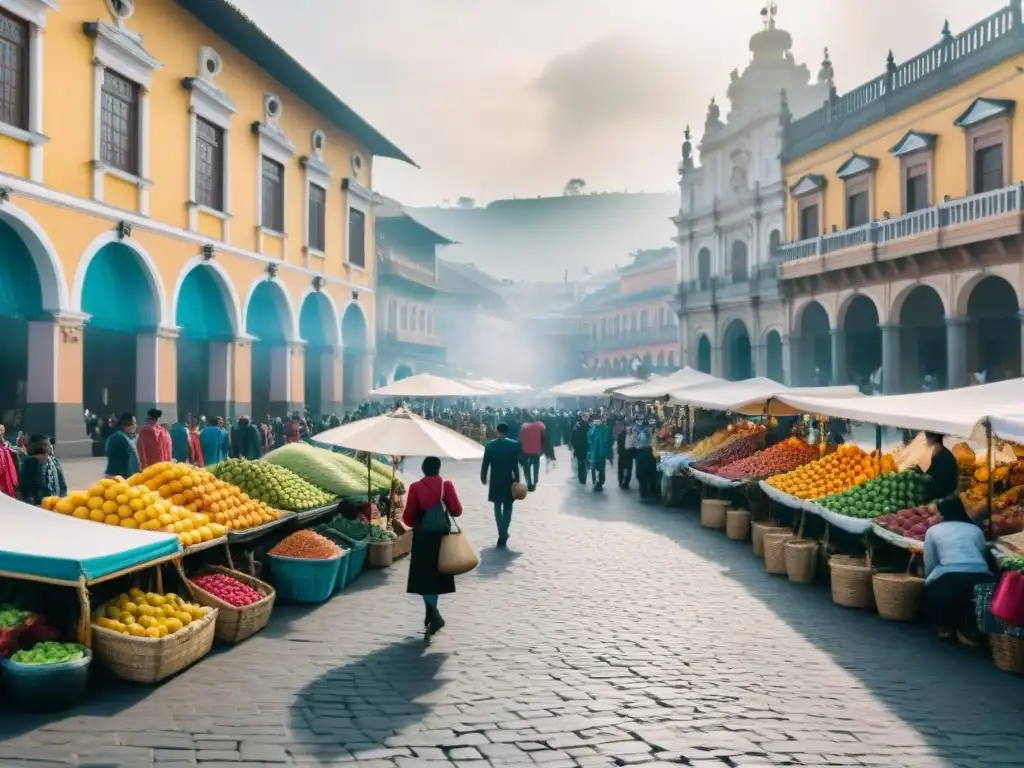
[[849, 299], [328, 312], [775, 367], [150, 271], [994, 328], [225, 286], [736, 351], [966, 290], [896, 306], [44, 256], [800, 307], [355, 306], [703, 353], [920, 311], [774, 241], [660, 362], [813, 328], [284, 307]]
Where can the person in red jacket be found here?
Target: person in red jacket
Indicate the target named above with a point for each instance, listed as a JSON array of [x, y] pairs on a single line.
[[154, 441], [531, 441], [429, 502], [8, 469]]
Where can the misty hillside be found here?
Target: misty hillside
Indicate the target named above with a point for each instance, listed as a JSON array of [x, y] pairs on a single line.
[[539, 238]]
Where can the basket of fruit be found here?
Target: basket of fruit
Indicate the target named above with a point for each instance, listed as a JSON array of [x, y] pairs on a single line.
[[801, 558], [737, 524], [897, 595], [758, 531], [775, 552], [243, 603], [712, 513], [304, 567], [146, 637], [380, 547], [851, 581], [48, 676]]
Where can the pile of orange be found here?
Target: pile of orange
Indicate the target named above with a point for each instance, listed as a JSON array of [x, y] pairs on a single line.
[[837, 472], [200, 492]]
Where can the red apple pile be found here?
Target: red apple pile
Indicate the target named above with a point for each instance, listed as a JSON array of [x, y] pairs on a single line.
[[781, 457], [912, 523], [231, 591], [739, 449]]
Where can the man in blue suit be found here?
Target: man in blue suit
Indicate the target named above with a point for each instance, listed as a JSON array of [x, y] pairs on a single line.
[[501, 457]]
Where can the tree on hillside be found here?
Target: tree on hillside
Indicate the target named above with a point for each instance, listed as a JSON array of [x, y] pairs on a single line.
[[574, 187]]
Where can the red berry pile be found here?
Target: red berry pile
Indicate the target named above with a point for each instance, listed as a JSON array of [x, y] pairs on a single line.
[[231, 591]]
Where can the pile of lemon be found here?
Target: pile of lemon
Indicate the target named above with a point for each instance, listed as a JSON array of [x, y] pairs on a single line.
[[115, 501], [147, 614], [199, 492]]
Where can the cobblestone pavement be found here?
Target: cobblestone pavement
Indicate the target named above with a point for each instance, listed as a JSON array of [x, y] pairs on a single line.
[[609, 634]]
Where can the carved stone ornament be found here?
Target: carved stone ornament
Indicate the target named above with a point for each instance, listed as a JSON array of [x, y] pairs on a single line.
[[71, 334], [121, 10]]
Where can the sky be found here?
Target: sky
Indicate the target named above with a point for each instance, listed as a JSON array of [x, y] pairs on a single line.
[[512, 98]]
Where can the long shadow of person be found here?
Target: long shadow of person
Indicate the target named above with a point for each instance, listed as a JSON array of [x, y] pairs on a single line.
[[354, 708], [494, 561]]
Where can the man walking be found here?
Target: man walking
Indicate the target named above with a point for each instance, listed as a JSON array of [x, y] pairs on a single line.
[[580, 449], [646, 466], [627, 451], [531, 438], [600, 447], [501, 459]]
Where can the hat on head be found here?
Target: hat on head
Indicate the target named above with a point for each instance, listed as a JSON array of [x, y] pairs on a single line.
[[154, 413]]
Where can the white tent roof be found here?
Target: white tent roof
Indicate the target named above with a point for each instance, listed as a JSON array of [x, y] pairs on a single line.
[[496, 387], [590, 387], [656, 389], [1008, 427], [402, 433], [428, 385], [951, 411], [753, 397]]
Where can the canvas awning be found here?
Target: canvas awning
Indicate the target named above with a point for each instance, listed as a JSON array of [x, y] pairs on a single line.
[[428, 385], [662, 387], [754, 397], [591, 387]]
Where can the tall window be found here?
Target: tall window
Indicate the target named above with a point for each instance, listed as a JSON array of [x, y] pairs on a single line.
[[356, 237], [809, 222], [209, 165], [119, 123], [988, 169], [857, 209], [273, 195], [13, 71], [917, 189], [317, 217], [704, 267]]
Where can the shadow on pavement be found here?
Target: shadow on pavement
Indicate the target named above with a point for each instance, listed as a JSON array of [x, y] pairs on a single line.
[[369, 699], [903, 665], [494, 561]]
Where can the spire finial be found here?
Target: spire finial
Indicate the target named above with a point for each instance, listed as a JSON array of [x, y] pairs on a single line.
[[769, 12]]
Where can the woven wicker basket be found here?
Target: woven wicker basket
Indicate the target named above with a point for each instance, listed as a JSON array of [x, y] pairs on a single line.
[[737, 524], [897, 595], [851, 582], [758, 530], [402, 545], [775, 552], [712, 513], [237, 624], [1007, 653], [801, 560], [380, 554], [150, 660]]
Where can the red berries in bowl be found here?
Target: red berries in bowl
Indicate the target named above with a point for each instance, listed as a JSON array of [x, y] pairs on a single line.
[[231, 591]]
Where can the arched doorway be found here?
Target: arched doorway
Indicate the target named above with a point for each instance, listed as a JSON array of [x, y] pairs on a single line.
[[318, 327], [672, 361], [922, 338], [704, 268], [268, 319], [704, 354], [738, 267], [661, 362], [119, 294], [815, 346], [774, 242], [736, 344], [355, 338], [994, 330], [403, 371], [206, 315], [774, 367], [863, 340]]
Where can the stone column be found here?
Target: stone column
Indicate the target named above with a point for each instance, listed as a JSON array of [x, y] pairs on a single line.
[[240, 364], [220, 397], [287, 379], [838, 356], [297, 389], [331, 367], [156, 373], [891, 363], [760, 354], [367, 379], [956, 352], [790, 359], [717, 367], [53, 391]]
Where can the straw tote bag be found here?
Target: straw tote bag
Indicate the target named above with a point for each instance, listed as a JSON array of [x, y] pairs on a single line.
[[457, 555]]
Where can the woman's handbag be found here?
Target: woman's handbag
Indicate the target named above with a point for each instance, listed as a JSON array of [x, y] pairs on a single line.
[[1008, 602], [435, 520], [457, 555]]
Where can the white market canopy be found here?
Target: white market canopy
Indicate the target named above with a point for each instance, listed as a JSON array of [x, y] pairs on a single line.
[[1009, 426], [428, 385], [591, 387], [656, 389], [754, 397], [402, 433], [496, 387], [38, 544], [950, 412]]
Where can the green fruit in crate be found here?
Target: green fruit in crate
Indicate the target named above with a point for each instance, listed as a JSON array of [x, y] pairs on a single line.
[[272, 484], [50, 653], [884, 495]]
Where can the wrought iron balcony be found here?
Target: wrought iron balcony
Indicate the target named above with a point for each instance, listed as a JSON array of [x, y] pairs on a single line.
[[929, 229], [393, 264]]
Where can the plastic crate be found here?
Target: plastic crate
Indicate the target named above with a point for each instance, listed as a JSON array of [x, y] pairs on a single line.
[[346, 561], [301, 580], [45, 687], [356, 561]]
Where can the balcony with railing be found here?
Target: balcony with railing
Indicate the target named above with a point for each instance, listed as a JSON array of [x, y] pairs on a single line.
[[407, 339], [391, 263], [758, 282], [665, 334], [960, 222], [953, 60]]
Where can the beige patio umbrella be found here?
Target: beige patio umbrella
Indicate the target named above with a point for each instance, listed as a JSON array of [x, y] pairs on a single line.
[[428, 385]]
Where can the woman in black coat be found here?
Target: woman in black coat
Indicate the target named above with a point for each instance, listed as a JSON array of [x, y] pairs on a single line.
[[427, 507]]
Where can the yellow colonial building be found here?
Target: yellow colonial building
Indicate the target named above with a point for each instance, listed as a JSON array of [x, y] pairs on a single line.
[[904, 214], [186, 219]]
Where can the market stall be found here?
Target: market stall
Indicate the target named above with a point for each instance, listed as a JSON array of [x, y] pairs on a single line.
[[584, 388], [662, 387]]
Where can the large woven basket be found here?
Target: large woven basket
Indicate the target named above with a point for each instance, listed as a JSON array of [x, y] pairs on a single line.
[[380, 554], [801, 560], [737, 524], [851, 582], [402, 545], [1007, 653], [150, 660], [712, 513], [236, 624], [758, 530], [897, 595], [775, 552]]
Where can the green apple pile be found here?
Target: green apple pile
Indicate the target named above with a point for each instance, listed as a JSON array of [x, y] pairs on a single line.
[[272, 484], [884, 495]]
